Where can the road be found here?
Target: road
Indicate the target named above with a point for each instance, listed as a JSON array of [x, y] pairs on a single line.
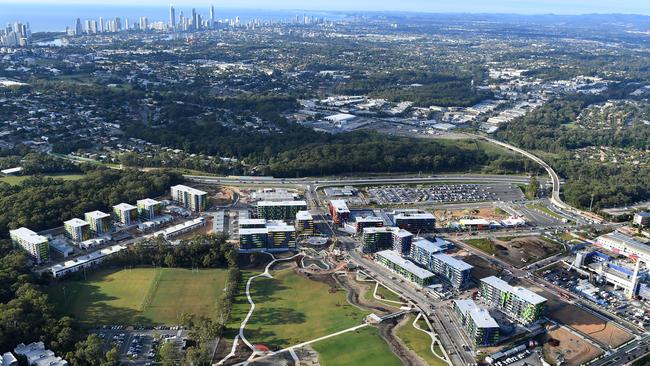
[[443, 326]]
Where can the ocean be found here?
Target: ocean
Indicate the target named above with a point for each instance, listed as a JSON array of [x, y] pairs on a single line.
[[53, 18]]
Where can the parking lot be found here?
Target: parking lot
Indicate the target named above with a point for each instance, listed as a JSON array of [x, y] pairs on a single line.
[[445, 193], [138, 346]]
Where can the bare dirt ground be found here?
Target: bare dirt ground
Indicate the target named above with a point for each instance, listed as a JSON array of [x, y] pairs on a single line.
[[488, 213], [223, 196], [223, 349], [482, 268], [586, 323], [575, 350]]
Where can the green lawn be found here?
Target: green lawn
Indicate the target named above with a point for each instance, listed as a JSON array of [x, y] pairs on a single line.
[[363, 347], [291, 309], [485, 245], [17, 179], [387, 294], [139, 295], [419, 342]]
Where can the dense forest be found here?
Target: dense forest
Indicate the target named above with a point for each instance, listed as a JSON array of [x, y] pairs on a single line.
[[37, 163], [551, 129], [42, 203]]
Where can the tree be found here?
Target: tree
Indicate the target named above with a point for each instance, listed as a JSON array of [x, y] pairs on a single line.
[[88, 353], [532, 188], [168, 354]]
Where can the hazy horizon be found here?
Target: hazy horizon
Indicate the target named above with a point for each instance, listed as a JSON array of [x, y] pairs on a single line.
[[559, 7]]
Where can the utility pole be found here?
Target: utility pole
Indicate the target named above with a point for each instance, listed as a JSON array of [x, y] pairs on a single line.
[[592, 202]]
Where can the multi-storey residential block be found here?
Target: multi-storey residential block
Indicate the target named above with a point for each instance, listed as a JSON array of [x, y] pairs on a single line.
[[100, 222], [422, 251], [280, 210], [519, 303], [304, 223], [380, 238], [479, 325], [149, 209], [36, 245], [339, 211], [405, 268], [362, 222], [451, 269], [191, 198], [77, 230], [125, 213], [260, 235]]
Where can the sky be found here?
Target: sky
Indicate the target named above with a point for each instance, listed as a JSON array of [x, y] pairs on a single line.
[[442, 6]]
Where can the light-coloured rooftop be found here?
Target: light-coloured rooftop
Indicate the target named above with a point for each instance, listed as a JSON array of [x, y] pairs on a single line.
[[28, 236], [340, 205], [147, 202], [190, 190], [519, 292], [125, 207], [453, 262], [411, 267], [96, 215], [303, 215], [281, 203]]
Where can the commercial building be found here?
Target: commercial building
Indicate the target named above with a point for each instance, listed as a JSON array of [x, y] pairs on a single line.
[[405, 268], [274, 235], [100, 222], [474, 224], [622, 244], [37, 355], [479, 325], [379, 238], [456, 272], [524, 306], [149, 209], [190, 198], [641, 219], [85, 261], [36, 245], [280, 210], [252, 223], [339, 211], [414, 221], [77, 230], [125, 213], [304, 223], [362, 222]]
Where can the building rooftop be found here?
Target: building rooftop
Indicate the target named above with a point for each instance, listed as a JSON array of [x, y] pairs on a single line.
[[480, 317], [340, 205], [628, 242], [428, 245], [37, 355], [281, 203], [96, 215], [394, 257], [474, 222], [125, 207], [29, 236], [453, 262], [148, 202], [520, 292], [187, 189], [243, 222], [303, 215], [87, 258], [643, 214], [415, 215], [368, 219], [75, 222]]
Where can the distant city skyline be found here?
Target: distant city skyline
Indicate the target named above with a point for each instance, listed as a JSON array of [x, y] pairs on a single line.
[[470, 6]]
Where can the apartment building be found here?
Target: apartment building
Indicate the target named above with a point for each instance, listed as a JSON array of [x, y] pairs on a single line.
[[380, 238], [262, 235], [522, 305], [405, 268], [77, 230], [479, 325], [125, 213], [149, 209], [191, 198], [304, 223], [454, 271], [339, 211], [280, 210], [100, 222], [36, 245]]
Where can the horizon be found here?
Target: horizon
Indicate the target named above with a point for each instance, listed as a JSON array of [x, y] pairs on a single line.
[[509, 7]]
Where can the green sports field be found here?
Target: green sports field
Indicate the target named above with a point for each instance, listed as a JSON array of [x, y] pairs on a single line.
[[363, 347], [140, 295], [291, 309]]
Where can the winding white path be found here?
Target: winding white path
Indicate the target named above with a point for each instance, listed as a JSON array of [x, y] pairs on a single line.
[[241, 335]]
